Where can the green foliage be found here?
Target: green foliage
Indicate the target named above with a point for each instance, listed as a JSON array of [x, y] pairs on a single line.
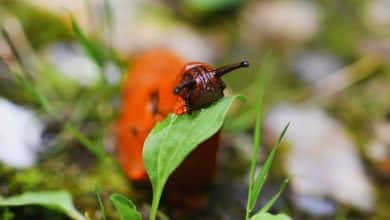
[[267, 216], [49, 108], [262, 176], [172, 140], [204, 7], [57, 200], [91, 48], [26, 82], [256, 182], [95, 48], [125, 207], [7, 215], [257, 137]]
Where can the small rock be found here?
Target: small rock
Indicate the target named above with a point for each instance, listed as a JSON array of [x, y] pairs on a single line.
[[20, 135], [315, 206], [191, 45], [322, 159], [377, 15], [113, 73], [312, 66], [375, 46], [347, 76], [378, 149], [145, 30], [382, 130], [294, 21]]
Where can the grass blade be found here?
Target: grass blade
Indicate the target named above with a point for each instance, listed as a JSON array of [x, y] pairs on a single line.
[[93, 50], [100, 201], [271, 202], [263, 80], [256, 148], [261, 177], [259, 108], [14, 50]]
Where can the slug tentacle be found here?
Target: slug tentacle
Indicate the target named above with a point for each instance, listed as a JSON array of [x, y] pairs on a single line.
[[185, 84], [226, 69]]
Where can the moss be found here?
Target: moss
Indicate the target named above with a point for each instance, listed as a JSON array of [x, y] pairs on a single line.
[[382, 211]]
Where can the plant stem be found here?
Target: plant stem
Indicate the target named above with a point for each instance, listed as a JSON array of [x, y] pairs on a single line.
[[155, 204], [247, 214]]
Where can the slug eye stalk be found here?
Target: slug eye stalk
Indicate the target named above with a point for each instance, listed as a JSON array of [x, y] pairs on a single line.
[[228, 68], [186, 84]]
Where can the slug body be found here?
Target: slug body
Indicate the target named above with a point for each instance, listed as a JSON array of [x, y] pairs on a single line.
[[160, 83]]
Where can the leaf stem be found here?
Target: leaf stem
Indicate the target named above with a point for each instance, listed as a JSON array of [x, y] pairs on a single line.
[[155, 204]]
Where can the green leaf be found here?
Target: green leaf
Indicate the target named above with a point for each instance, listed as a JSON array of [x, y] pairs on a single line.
[[57, 200], [267, 216], [271, 202], [92, 49], [125, 207], [262, 176], [172, 140]]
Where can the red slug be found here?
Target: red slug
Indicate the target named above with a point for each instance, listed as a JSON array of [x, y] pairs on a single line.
[[159, 83]]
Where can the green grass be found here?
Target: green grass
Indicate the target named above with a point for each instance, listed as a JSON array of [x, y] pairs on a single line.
[[100, 201], [257, 181], [25, 79]]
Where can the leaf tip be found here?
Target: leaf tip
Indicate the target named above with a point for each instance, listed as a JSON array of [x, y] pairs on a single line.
[[241, 98]]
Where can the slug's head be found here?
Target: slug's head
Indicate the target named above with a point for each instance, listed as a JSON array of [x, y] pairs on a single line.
[[200, 85]]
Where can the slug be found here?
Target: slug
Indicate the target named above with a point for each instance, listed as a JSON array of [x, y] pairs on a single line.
[[158, 83]]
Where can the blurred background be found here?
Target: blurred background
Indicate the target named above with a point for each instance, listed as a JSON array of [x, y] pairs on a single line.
[[60, 94]]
